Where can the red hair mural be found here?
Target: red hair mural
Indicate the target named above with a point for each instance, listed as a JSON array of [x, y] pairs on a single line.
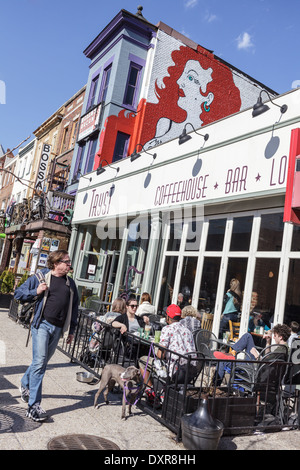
[[197, 89]]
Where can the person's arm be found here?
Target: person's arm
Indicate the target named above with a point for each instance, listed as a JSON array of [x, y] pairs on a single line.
[[268, 337], [118, 323], [30, 290]]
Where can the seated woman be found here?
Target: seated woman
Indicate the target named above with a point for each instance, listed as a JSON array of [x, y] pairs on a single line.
[[145, 307], [245, 343], [189, 318], [129, 321], [118, 308]]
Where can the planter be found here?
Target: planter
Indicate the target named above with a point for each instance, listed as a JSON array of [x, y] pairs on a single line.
[[5, 300], [13, 309], [200, 431], [236, 413]]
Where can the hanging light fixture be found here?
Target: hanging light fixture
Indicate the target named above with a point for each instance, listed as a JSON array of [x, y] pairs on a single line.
[[101, 169], [184, 137], [136, 155], [260, 107]]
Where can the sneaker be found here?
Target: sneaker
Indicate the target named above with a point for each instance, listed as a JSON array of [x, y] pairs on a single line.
[[24, 394], [36, 413]]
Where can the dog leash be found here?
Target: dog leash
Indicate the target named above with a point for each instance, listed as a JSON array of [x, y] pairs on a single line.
[[140, 385]]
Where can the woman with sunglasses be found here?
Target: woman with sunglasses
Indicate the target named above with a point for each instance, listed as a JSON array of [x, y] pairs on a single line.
[[129, 321]]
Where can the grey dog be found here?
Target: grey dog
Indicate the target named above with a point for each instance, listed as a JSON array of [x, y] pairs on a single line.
[[129, 379]]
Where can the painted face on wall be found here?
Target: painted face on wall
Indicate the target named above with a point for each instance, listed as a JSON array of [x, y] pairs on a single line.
[[192, 86]]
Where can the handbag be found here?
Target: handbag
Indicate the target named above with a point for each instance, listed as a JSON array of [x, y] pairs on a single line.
[[27, 312]]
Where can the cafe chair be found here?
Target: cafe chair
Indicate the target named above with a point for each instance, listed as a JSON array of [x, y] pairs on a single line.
[[263, 376], [207, 321], [234, 328], [290, 391], [206, 343]]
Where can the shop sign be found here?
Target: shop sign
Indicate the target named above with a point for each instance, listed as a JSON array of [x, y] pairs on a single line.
[[89, 122], [42, 171]]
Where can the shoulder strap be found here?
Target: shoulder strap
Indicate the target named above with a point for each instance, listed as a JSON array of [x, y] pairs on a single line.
[[40, 276]]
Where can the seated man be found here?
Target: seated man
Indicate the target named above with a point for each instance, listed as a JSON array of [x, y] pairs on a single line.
[[245, 343], [177, 338]]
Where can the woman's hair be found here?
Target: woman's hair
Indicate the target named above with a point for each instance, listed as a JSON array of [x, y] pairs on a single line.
[[146, 298], [188, 311], [131, 297], [55, 257], [118, 305], [222, 86], [295, 327], [235, 287]]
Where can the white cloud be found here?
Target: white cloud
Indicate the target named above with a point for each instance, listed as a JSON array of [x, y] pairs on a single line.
[[210, 17], [190, 3], [244, 41]]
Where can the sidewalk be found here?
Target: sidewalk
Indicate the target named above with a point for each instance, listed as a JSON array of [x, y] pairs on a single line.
[[70, 406]]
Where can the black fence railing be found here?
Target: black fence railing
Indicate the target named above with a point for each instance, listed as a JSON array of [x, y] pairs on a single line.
[[245, 402]]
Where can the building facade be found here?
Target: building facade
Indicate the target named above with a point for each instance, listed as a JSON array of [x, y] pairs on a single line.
[[196, 216], [36, 228], [146, 85]]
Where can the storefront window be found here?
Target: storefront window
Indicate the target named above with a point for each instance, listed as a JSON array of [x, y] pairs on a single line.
[[167, 282], [175, 236], [236, 269], [209, 284], [271, 231], [215, 237], [188, 275], [134, 262], [241, 233], [265, 285], [92, 266], [292, 301], [194, 233], [296, 238]]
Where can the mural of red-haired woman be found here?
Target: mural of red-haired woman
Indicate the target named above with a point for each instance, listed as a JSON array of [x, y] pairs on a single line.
[[198, 89]]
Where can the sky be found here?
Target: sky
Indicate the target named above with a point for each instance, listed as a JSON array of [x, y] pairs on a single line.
[[42, 63]]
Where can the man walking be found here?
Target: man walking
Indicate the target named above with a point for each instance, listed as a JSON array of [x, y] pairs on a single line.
[[55, 316]]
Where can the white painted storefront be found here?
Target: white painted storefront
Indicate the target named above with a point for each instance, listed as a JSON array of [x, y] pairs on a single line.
[[195, 216]]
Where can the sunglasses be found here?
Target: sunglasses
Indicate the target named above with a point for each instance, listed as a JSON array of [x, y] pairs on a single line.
[[133, 305]]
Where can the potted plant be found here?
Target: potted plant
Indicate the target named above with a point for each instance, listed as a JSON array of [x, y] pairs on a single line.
[[7, 280]]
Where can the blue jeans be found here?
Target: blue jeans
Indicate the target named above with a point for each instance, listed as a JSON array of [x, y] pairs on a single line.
[[245, 343], [44, 342]]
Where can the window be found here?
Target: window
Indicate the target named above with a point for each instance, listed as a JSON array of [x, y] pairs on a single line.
[[74, 132], [105, 82], [132, 84], [64, 143], [121, 146], [93, 91], [216, 233], [78, 163], [271, 231], [91, 155]]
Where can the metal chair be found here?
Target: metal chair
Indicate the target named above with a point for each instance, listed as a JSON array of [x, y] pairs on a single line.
[[206, 343], [263, 376]]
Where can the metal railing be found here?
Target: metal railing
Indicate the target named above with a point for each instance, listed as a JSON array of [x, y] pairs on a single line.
[[243, 407], [167, 399]]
